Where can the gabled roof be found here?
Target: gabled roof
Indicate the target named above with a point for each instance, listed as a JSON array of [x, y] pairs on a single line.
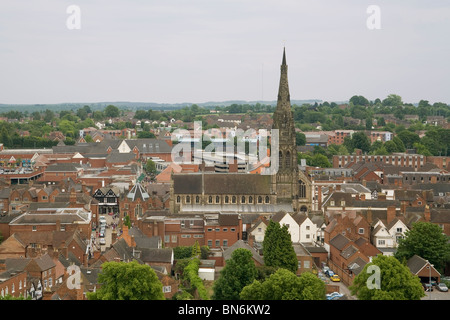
[[349, 251], [417, 263], [339, 241], [162, 255], [241, 244]]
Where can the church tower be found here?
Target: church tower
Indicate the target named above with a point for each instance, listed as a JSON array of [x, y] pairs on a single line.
[[287, 183]]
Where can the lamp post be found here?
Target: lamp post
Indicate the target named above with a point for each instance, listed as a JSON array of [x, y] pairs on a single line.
[[429, 268]]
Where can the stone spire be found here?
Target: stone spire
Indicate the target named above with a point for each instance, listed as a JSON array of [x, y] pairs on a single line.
[[284, 99]]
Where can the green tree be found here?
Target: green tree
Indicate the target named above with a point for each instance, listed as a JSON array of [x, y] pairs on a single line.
[[127, 281], [396, 282], [277, 247], [408, 138], [361, 141], [285, 285], [150, 166], [426, 240], [238, 272], [111, 111], [392, 100], [300, 139]]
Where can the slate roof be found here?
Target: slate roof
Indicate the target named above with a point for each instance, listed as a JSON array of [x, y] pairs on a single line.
[[63, 167], [221, 183], [349, 251], [416, 263], [339, 241], [241, 244], [228, 219], [163, 255]]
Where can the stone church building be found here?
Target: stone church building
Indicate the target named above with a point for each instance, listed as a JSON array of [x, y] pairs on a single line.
[[287, 190]]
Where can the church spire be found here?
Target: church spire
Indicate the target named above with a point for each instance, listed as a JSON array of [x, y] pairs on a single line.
[[284, 99]]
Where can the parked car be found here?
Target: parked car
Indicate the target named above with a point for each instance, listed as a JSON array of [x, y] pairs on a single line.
[[442, 287], [102, 233], [335, 278], [427, 287], [102, 241], [334, 296], [330, 273]]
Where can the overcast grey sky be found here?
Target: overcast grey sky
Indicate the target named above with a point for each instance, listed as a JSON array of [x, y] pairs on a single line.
[[172, 51]]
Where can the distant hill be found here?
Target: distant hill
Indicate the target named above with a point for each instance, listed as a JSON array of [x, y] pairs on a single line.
[[136, 105]]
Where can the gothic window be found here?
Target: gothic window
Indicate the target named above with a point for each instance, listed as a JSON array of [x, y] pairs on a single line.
[[302, 191], [288, 160], [178, 199], [250, 199], [210, 199], [267, 199], [197, 199], [138, 210], [217, 199], [280, 159], [233, 199], [243, 199], [259, 199], [227, 199], [188, 199]]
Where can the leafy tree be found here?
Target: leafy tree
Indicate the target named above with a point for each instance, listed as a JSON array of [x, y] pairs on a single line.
[[285, 285], [238, 272], [150, 167], [127, 281], [426, 240], [408, 138], [396, 281], [111, 111], [421, 149], [300, 139], [392, 100], [146, 135], [277, 247], [400, 146], [360, 140]]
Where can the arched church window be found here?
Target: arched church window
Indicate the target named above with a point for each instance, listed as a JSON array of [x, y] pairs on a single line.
[[227, 199], [302, 189], [280, 159], [210, 199], [259, 199], [267, 199], [243, 199], [233, 199], [250, 199], [288, 160]]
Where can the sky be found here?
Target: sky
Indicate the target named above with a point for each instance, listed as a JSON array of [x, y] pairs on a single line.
[[175, 51]]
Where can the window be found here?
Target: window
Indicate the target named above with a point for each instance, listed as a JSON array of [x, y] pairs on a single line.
[[361, 230], [307, 227], [250, 199], [217, 199], [233, 199], [174, 238], [259, 199], [299, 264], [225, 243], [243, 199], [167, 289], [306, 264], [188, 199], [50, 282], [185, 236], [225, 229], [307, 236], [399, 230], [381, 242], [227, 199], [210, 199], [217, 243], [259, 229], [166, 238], [34, 228], [209, 243], [232, 229], [178, 199], [13, 288], [267, 199], [343, 203], [197, 199], [217, 229], [209, 229], [332, 203]]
